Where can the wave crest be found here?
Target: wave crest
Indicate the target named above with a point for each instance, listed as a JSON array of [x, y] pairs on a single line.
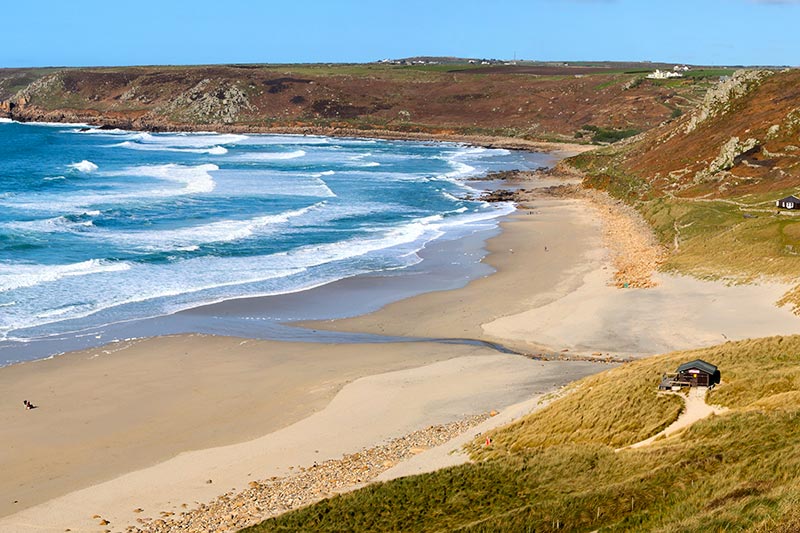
[[83, 166], [17, 276]]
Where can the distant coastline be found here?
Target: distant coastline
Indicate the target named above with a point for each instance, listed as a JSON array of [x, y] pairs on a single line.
[[558, 148]]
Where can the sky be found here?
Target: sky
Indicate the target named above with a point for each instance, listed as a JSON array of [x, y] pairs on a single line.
[[161, 32]]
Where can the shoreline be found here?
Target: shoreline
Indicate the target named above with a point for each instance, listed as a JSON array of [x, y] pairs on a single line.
[[84, 337], [560, 149]]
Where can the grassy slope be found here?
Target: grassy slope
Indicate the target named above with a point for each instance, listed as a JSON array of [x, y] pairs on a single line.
[[557, 469], [722, 225]]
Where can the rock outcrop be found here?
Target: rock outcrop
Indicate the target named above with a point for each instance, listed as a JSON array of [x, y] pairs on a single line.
[[208, 102], [731, 152], [717, 100]]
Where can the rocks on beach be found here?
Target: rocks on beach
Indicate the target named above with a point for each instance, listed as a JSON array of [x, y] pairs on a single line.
[[264, 499]]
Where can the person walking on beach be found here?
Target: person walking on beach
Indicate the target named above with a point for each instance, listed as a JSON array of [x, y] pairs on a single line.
[[28, 405]]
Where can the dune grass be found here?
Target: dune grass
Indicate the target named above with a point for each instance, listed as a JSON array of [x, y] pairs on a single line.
[[741, 238], [557, 469]]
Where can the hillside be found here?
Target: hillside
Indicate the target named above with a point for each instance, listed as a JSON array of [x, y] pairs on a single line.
[[708, 181], [742, 139], [557, 469], [529, 102]]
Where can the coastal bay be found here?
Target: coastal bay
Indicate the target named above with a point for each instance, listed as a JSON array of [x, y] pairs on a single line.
[[180, 411]]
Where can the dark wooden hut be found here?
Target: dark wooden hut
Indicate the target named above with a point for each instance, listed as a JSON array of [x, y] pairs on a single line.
[[697, 373], [790, 202]]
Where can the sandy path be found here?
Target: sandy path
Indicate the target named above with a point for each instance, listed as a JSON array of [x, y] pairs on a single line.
[[696, 409]]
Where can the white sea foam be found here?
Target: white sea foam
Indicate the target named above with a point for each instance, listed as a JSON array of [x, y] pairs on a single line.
[[60, 224], [286, 139], [98, 131], [197, 179], [54, 178], [460, 169], [269, 156], [4, 120], [188, 238], [450, 196], [16, 276], [58, 312], [214, 150], [58, 124], [83, 166], [189, 140], [139, 284], [261, 182]]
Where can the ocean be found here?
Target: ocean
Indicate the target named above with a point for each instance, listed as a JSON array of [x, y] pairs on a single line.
[[102, 227]]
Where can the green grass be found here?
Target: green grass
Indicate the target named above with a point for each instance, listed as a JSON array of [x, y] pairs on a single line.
[[709, 73], [557, 470], [606, 135], [716, 240]]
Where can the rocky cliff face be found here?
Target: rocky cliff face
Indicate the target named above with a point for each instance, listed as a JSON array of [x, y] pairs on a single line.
[[718, 99], [743, 138]]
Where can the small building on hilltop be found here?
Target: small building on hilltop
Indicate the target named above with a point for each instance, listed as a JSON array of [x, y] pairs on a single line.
[[790, 202], [697, 373]]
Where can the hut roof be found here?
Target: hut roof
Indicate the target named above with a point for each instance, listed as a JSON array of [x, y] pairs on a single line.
[[792, 198], [698, 364]]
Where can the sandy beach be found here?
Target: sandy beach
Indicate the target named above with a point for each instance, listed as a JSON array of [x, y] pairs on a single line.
[[198, 416], [556, 290]]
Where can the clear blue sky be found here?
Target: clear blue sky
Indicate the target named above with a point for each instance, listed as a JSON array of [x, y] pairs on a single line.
[[112, 32]]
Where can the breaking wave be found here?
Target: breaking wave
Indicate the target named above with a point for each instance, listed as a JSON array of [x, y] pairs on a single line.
[[84, 166]]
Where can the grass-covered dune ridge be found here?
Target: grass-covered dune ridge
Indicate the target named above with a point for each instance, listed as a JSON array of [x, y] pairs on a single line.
[[557, 470]]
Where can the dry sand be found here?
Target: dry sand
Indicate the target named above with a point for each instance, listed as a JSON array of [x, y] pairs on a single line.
[[107, 411], [370, 410]]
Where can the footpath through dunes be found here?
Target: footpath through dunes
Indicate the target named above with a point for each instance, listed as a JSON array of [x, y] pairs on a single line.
[[557, 469]]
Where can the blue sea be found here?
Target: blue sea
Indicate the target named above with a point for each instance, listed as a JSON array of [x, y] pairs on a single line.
[[102, 227]]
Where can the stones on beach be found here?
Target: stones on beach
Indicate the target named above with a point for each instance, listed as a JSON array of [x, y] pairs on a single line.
[[499, 195], [303, 486]]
